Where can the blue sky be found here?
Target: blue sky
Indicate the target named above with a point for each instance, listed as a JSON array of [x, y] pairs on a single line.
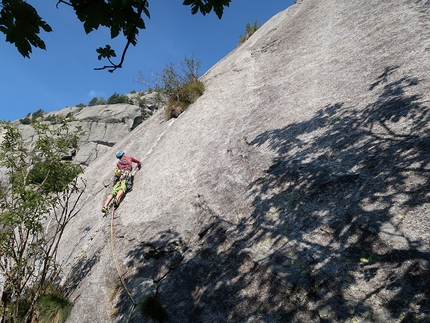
[[63, 74]]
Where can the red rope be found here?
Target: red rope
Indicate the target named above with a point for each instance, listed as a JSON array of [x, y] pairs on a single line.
[[118, 268]]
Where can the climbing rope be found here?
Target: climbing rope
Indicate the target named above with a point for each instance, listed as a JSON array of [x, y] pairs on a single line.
[[118, 268]]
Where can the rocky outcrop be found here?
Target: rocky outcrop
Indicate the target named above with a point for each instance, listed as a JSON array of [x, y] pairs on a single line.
[[294, 190], [102, 125]]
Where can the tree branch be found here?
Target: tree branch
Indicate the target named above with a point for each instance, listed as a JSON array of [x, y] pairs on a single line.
[[113, 66], [61, 1]]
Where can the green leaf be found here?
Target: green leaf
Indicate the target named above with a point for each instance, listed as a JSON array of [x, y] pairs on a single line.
[[106, 52], [140, 24], [206, 6], [21, 24], [146, 12], [92, 13], [114, 31]]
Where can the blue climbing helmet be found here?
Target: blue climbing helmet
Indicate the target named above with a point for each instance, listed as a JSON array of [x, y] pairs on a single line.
[[119, 154]]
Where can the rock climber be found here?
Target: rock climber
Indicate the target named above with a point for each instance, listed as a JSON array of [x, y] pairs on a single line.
[[123, 178]]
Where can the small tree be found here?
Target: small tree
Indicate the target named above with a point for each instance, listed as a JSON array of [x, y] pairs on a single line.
[[52, 118], [40, 185], [92, 102], [249, 31], [26, 120], [38, 114], [116, 98], [113, 99], [101, 101], [179, 83]]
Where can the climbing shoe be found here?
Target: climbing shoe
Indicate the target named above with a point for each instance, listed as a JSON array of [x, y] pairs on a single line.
[[116, 203], [104, 210]]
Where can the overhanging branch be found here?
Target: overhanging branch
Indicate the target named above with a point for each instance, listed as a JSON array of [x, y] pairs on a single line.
[[113, 66]]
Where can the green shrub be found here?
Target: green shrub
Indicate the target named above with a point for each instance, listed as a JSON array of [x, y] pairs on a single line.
[[191, 91], [116, 99], [92, 102], [179, 84], [69, 116], [187, 94], [25, 120], [249, 31], [39, 182], [142, 102], [38, 114], [55, 177], [151, 308], [113, 98], [52, 118], [101, 101], [81, 105], [50, 307], [53, 308]]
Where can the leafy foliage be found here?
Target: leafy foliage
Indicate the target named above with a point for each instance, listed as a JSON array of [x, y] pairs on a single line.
[[206, 6], [33, 117], [40, 185], [38, 114], [188, 93], [179, 83], [21, 23], [59, 176], [55, 118], [105, 52], [249, 31], [52, 118], [119, 16], [117, 98], [53, 308], [142, 102], [94, 101], [26, 120]]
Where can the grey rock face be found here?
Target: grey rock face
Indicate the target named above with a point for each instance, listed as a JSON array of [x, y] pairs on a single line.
[[294, 190], [103, 125]]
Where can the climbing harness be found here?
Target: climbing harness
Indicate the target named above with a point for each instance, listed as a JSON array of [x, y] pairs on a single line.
[[128, 176]]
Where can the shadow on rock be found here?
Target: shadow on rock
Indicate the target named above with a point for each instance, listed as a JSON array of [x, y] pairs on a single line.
[[348, 193], [339, 229]]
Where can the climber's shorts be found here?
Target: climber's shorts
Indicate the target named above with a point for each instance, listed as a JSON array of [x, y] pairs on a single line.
[[119, 186]]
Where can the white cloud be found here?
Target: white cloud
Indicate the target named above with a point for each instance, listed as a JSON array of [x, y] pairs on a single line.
[[96, 94]]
